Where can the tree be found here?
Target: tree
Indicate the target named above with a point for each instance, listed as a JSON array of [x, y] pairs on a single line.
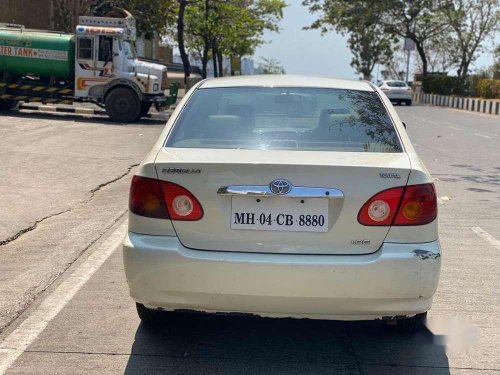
[[242, 24], [270, 66], [367, 40], [196, 32], [229, 28], [495, 68], [441, 54], [181, 12], [368, 49], [152, 16], [395, 68], [69, 11], [472, 21], [419, 20]]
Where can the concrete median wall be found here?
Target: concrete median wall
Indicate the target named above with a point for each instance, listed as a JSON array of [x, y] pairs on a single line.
[[489, 106]]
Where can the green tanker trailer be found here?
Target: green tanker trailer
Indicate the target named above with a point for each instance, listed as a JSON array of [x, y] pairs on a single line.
[[39, 54], [97, 64]]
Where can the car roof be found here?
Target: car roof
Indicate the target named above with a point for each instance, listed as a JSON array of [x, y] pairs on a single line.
[[285, 80]]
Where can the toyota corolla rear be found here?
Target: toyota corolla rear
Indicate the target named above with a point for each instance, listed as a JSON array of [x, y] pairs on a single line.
[[293, 197]]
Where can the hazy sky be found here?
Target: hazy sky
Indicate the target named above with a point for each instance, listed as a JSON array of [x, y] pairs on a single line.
[[307, 52]]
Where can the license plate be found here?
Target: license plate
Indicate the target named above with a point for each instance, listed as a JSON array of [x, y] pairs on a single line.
[[279, 213]]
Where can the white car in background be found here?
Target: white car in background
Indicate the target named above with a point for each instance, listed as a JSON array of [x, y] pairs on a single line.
[[397, 91], [284, 196]]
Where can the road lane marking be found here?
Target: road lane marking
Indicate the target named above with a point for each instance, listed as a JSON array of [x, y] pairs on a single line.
[[486, 236], [454, 128], [481, 135], [472, 113], [18, 341]]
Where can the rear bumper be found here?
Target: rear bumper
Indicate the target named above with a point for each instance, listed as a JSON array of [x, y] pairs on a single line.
[[398, 95], [399, 279], [159, 99]]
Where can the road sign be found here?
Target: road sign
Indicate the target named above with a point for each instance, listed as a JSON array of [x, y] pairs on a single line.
[[235, 66], [409, 44]]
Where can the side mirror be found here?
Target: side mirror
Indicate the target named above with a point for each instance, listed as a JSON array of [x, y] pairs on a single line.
[[404, 125]]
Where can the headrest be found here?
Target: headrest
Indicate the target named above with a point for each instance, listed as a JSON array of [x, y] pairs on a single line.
[[223, 126]]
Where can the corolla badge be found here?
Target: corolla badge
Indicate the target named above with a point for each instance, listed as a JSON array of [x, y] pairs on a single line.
[[280, 187]]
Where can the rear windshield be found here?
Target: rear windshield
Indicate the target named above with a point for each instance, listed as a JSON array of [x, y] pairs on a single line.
[[396, 84], [304, 119]]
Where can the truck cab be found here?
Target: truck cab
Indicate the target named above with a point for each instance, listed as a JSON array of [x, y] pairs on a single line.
[[98, 64], [108, 71]]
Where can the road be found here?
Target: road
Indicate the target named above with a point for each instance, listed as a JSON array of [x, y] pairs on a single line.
[[64, 305]]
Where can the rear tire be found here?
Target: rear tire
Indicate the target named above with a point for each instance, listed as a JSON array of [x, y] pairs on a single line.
[[149, 317], [411, 325], [122, 105], [408, 102], [145, 107], [7, 105]]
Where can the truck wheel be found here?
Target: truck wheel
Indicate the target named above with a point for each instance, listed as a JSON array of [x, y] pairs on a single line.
[[7, 105], [145, 107], [122, 105]]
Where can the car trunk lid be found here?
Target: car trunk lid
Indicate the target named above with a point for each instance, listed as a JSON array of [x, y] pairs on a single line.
[[214, 176]]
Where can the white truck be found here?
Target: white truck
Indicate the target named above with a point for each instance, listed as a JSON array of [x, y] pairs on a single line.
[[97, 64]]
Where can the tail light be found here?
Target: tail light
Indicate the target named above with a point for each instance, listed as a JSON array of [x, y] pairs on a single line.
[[153, 198], [181, 204], [418, 207], [410, 205], [146, 198]]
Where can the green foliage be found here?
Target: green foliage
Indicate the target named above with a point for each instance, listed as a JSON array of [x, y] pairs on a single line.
[[369, 48], [442, 84], [471, 22], [475, 86], [229, 27], [488, 88], [419, 20], [359, 19], [496, 65]]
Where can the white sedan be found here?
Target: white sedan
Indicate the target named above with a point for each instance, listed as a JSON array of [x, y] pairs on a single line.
[[397, 91], [284, 196]]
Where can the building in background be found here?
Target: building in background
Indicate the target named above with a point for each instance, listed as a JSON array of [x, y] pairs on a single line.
[[248, 66], [154, 49], [40, 16]]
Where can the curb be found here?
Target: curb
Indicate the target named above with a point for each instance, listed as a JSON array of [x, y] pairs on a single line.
[[160, 116], [475, 105]]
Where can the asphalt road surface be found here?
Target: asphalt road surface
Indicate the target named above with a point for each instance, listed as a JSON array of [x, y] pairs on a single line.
[[64, 305]]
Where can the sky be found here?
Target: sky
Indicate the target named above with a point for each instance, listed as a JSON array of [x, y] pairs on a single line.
[[308, 52]]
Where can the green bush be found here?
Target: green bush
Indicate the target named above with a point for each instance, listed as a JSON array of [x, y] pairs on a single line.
[[443, 85], [488, 88], [471, 86]]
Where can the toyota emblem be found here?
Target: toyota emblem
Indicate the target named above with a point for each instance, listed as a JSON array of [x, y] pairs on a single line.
[[280, 187]]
